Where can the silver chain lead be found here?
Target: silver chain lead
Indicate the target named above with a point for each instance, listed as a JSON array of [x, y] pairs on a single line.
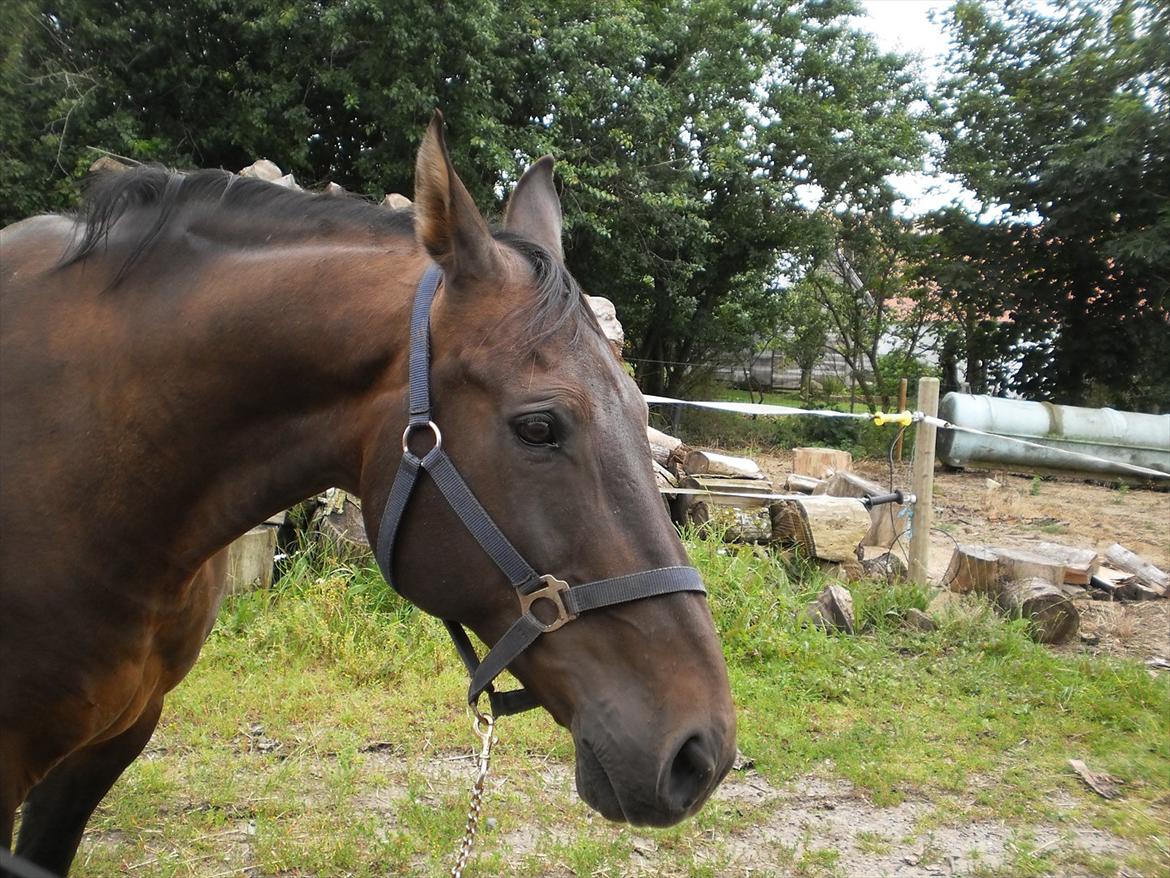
[[484, 726]]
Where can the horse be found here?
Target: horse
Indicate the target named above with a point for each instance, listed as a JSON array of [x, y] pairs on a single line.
[[193, 352]]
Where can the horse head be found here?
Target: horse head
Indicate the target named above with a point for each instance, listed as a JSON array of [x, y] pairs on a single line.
[[549, 432]]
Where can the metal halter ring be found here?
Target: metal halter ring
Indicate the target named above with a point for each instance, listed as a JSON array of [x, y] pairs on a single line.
[[553, 591], [434, 428]]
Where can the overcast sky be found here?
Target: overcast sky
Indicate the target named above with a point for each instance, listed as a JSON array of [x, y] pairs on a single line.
[[904, 26]]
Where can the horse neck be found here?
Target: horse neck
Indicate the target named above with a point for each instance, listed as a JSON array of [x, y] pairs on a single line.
[[266, 391]]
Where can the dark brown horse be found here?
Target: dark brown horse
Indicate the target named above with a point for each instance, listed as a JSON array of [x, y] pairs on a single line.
[[196, 352]]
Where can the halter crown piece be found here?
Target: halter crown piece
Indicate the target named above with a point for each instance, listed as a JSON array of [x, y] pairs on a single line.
[[531, 587]]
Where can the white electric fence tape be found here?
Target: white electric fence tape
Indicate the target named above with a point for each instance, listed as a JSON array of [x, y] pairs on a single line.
[[904, 418]]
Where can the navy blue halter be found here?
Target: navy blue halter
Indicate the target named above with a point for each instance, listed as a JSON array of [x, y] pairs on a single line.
[[567, 601]]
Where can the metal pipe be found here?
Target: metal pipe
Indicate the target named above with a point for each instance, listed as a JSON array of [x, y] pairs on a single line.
[[1107, 434]]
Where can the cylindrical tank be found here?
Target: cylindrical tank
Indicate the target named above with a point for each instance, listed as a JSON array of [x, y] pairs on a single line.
[[1113, 436]]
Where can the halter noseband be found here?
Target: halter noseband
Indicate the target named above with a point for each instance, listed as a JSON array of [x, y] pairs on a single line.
[[569, 601]]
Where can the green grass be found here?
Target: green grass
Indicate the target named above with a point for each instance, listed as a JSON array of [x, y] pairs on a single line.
[[323, 733]]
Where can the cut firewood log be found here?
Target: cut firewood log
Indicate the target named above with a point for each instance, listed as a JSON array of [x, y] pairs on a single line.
[[1022, 563], [1150, 576], [885, 518], [820, 463], [702, 509], [832, 610], [263, 169], [981, 568], [742, 493], [250, 559], [1114, 583], [916, 620], [339, 524], [1053, 616], [1123, 586], [973, 569], [995, 573], [664, 477], [849, 570], [606, 314], [1079, 564], [887, 566], [830, 528], [735, 525], [798, 484], [665, 449], [105, 163], [699, 463]]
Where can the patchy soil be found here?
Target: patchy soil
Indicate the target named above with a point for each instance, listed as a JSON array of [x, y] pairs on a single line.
[[1003, 509], [811, 826], [814, 815]]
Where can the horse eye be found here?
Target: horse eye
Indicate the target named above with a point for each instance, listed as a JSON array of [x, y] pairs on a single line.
[[536, 431]]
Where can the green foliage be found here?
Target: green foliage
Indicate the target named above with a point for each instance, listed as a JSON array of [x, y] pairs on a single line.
[[807, 327], [682, 129], [1059, 122]]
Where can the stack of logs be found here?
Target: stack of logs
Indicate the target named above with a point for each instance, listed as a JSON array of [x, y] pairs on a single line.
[[1039, 581], [732, 498]]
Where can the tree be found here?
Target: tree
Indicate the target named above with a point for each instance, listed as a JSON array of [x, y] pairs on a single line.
[[808, 332], [862, 272], [1059, 121], [685, 131]]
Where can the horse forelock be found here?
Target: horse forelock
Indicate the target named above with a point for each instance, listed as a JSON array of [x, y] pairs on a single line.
[[557, 302]]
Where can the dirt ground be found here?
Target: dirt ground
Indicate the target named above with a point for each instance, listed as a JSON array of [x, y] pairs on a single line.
[[1004, 509], [813, 826]]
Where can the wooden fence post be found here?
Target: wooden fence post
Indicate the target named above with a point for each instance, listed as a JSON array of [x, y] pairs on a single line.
[[922, 482]]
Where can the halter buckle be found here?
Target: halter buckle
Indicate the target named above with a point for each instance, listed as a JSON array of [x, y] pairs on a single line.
[[554, 591]]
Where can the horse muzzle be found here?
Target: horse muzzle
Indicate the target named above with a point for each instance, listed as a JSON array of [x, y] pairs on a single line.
[[645, 785]]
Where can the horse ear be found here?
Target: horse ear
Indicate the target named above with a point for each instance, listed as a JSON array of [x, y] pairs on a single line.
[[448, 223], [534, 210]]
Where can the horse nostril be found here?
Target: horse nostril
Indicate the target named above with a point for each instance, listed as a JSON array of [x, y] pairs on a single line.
[[690, 776]]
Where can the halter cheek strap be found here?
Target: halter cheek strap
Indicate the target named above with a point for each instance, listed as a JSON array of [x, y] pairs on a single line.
[[567, 602]]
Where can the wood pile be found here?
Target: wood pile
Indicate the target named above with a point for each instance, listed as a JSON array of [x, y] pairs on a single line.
[[1040, 580], [732, 497]]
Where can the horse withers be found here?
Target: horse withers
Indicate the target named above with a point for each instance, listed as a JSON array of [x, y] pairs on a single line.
[[193, 353]]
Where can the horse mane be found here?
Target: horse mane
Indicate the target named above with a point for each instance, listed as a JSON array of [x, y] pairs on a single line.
[[159, 199]]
